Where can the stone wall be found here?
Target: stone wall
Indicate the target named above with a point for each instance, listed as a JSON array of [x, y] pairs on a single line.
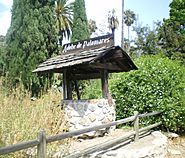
[[88, 113]]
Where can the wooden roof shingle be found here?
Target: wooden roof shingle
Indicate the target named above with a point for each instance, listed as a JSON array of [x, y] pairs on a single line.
[[112, 58]]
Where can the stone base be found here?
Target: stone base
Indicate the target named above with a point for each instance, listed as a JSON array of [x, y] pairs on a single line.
[[88, 113]]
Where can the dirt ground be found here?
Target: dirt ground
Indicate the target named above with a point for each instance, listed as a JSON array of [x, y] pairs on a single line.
[[176, 147]]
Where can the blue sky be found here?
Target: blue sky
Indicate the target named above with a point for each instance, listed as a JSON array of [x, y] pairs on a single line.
[[148, 11]]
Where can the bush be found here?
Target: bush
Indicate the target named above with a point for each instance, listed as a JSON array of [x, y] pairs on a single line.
[[158, 85], [92, 89]]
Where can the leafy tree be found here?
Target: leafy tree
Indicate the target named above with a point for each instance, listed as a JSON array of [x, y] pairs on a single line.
[[80, 29], [146, 41], [64, 13], [177, 14], [31, 39], [129, 18], [158, 85], [172, 32], [92, 26], [2, 56], [2, 39]]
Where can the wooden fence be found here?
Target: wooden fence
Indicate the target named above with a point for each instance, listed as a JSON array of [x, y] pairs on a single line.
[[42, 140]]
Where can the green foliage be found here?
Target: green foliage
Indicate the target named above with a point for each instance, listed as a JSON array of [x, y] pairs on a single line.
[[92, 90], [146, 41], [31, 39], [92, 26], [158, 85], [177, 13], [172, 32], [129, 18], [80, 29], [113, 20], [64, 13], [2, 58]]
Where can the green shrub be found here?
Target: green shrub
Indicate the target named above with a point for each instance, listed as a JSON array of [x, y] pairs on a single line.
[[92, 90], [158, 85]]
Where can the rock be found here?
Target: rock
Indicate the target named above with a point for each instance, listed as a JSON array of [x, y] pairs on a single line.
[[83, 122], [100, 105], [101, 117], [92, 117], [183, 144], [172, 135], [92, 108], [87, 113], [105, 121], [105, 111], [112, 153], [174, 152], [33, 98], [152, 146], [110, 117]]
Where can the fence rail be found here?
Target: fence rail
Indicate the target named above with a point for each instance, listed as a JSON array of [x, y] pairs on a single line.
[[42, 140]]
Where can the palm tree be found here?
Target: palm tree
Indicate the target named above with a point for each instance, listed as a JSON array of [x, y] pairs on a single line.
[[64, 14], [129, 18], [113, 21]]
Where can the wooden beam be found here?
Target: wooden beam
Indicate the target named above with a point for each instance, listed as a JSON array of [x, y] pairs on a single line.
[[18, 146], [69, 86], [64, 85], [104, 81], [107, 66], [103, 146], [77, 89], [88, 129], [149, 114], [136, 125], [86, 76], [41, 148]]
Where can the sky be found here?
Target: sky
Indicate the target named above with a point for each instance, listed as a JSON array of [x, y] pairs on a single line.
[[147, 12]]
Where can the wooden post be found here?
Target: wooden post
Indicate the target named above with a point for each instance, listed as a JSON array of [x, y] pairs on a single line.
[[136, 125], [77, 89], [104, 81], [69, 86], [41, 148], [64, 85]]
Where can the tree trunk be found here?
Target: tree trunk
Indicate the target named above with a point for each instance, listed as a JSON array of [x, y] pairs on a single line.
[[122, 30]]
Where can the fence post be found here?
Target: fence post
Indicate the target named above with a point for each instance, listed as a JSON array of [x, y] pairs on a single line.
[[41, 148], [136, 126]]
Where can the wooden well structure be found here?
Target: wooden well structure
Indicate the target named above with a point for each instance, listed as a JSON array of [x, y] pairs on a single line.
[[88, 59], [94, 58]]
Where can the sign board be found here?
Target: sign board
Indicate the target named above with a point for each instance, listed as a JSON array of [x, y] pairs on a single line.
[[96, 42]]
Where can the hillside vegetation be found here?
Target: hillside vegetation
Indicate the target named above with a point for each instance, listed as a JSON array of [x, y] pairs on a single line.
[[22, 118]]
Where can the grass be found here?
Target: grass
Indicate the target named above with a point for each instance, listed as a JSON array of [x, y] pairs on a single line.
[[22, 118]]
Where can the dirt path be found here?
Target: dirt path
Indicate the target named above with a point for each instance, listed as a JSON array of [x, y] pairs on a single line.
[[176, 148]]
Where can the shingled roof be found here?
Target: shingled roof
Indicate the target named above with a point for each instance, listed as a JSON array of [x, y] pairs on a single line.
[[111, 58]]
